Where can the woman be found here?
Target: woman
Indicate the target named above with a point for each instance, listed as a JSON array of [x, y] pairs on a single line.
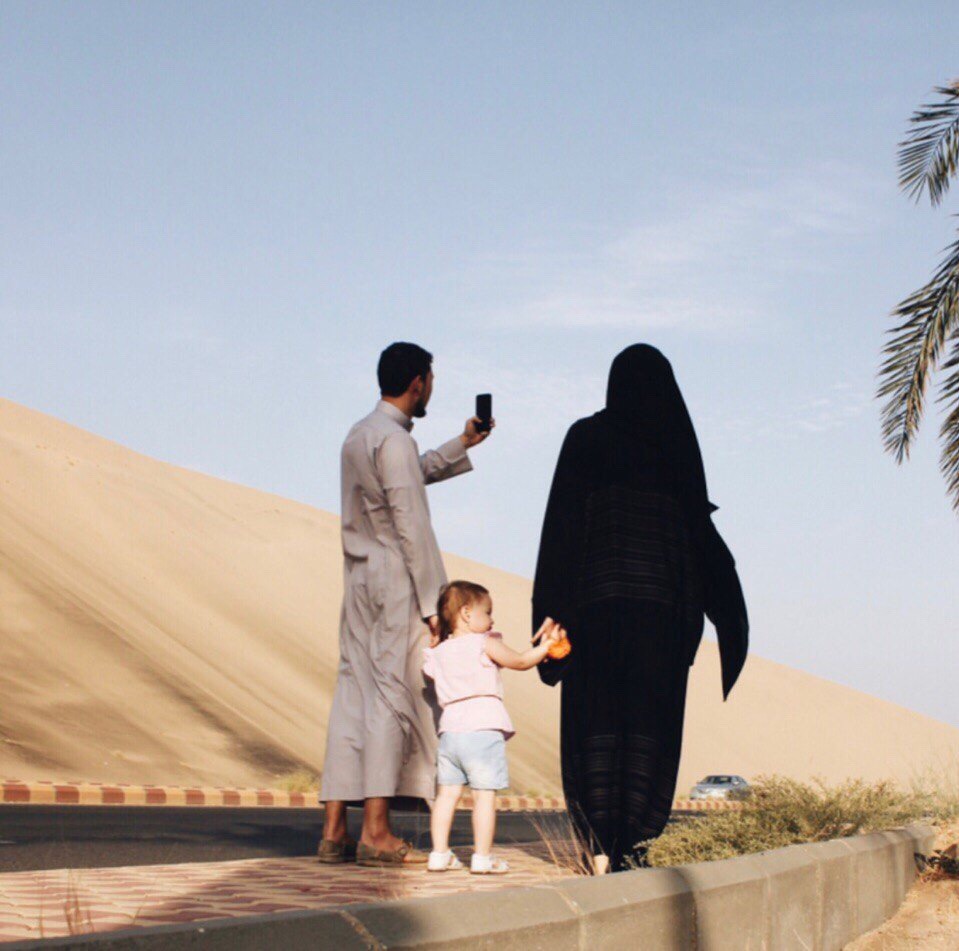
[[629, 561]]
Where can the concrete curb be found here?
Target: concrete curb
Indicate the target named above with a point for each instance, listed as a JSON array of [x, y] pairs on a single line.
[[816, 897], [14, 791]]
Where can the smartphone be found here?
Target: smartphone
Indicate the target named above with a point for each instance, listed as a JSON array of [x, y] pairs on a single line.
[[484, 410]]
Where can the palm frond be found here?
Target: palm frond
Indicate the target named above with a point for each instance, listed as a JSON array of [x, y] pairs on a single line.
[[949, 432], [929, 155], [927, 319]]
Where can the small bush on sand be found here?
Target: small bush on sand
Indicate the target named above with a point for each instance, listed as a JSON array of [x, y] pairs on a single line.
[[301, 780], [935, 791], [783, 812]]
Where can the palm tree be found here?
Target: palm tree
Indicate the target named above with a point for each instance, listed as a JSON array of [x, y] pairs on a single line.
[[927, 322]]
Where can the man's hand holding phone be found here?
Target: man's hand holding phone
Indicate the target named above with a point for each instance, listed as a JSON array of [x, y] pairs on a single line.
[[472, 436], [478, 427]]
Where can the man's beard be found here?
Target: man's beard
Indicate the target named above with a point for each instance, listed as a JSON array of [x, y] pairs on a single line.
[[419, 411]]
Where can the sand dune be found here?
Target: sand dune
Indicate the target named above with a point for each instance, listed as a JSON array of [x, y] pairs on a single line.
[[159, 625]]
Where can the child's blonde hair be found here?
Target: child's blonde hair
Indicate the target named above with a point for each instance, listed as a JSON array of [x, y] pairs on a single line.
[[453, 598]]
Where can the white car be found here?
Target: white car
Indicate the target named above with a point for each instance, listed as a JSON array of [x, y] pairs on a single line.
[[720, 786]]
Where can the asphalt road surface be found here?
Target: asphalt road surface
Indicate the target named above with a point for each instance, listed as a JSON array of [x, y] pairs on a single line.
[[41, 837]]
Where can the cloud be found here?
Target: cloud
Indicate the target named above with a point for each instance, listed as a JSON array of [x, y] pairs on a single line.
[[835, 407], [714, 261]]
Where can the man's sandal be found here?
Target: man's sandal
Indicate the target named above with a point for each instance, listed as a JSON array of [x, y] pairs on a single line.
[[404, 854], [335, 853]]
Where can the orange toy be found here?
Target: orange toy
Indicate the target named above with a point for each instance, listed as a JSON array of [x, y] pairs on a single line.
[[560, 649]]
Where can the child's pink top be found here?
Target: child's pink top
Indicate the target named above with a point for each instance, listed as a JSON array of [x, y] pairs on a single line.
[[469, 685]]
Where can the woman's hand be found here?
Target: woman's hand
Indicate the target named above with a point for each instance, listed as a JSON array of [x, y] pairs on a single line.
[[557, 643], [556, 635], [545, 630]]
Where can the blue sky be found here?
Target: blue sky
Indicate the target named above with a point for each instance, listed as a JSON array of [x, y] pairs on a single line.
[[214, 216]]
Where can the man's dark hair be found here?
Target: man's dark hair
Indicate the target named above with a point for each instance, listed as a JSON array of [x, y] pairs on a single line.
[[400, 364]]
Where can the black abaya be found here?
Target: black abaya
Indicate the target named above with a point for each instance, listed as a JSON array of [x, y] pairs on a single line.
[[626, 564], [622, 725]]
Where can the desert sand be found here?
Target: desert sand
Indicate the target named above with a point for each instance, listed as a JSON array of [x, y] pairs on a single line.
[[929, 916], [158, 625]]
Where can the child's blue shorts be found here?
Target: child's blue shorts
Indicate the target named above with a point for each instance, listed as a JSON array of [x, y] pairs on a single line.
[[476, 759]]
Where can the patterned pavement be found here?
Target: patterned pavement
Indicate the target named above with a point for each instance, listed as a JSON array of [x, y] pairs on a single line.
[[61, 902]]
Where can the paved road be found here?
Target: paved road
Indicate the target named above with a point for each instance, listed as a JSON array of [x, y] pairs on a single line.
[[41, 837]]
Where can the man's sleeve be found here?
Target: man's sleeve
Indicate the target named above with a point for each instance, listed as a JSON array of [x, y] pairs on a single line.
[[402, 479], [447, 461]]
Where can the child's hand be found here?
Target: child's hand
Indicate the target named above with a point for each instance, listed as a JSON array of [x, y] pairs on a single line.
[[557, 634], [546, 629]]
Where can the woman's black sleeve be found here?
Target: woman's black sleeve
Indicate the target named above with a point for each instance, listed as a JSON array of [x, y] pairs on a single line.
[[725, 606], [560, 553]]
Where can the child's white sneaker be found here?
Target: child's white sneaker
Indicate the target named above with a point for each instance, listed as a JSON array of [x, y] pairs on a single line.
[[443, 862], [487, 865]]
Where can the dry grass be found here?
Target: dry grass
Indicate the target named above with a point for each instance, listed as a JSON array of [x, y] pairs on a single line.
[[558, 835], [78, 917], [300, 780], [78, 914], [936, 791], [946, 855], [779, 812], [785, 812]]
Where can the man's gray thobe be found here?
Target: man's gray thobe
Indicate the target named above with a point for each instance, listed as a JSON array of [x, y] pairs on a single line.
[[381, 738]]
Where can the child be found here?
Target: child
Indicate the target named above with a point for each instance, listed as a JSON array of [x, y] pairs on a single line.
[[474, 726]]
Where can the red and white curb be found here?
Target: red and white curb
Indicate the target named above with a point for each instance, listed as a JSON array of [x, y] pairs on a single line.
[[121, 794], [706, 805]]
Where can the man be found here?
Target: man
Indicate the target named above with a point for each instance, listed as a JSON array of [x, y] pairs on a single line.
[[381, 740]]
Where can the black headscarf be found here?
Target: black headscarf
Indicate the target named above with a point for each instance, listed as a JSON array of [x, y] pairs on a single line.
[[644, 402]]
